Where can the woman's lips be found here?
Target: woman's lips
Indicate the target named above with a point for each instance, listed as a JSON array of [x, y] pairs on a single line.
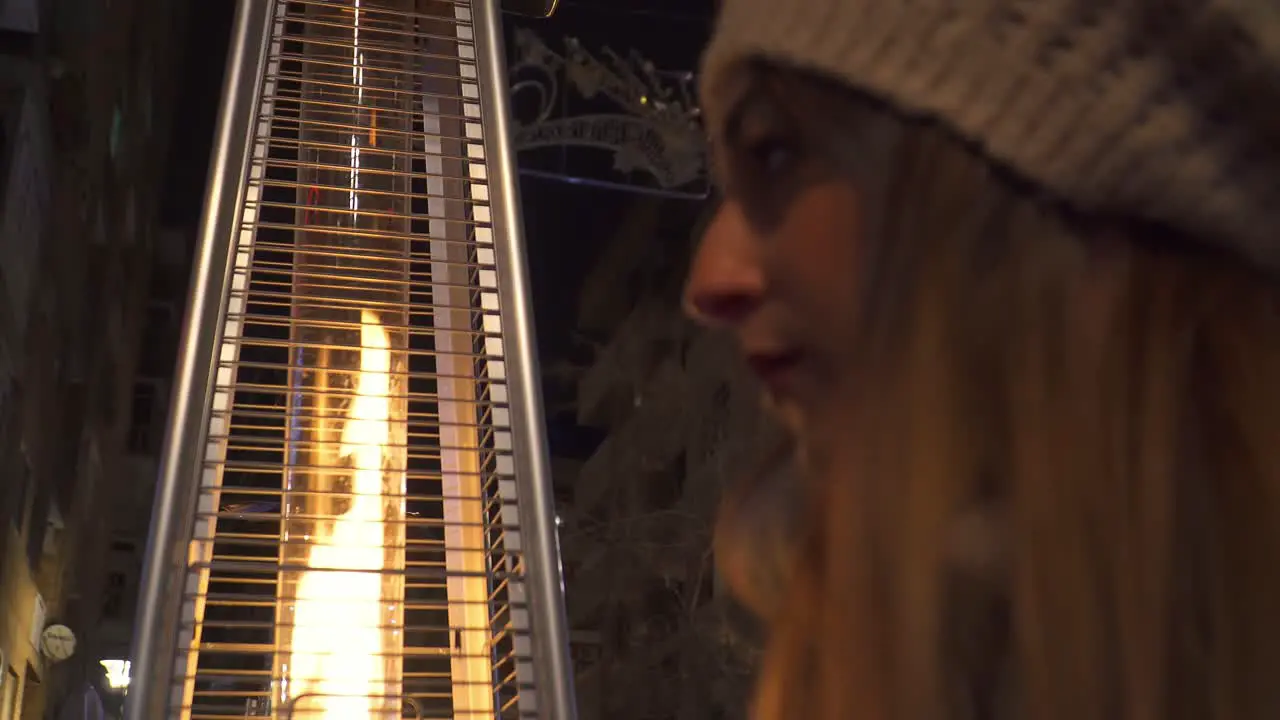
[[778, 371]]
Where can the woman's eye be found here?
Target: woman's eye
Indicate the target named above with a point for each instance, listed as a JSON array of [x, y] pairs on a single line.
[[772, 155]]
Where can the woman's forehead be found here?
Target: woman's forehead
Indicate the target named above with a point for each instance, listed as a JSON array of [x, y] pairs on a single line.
[[739, 84], [848, 121], [798, 92]]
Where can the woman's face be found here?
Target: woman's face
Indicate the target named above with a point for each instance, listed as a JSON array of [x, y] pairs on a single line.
[[777, 266]]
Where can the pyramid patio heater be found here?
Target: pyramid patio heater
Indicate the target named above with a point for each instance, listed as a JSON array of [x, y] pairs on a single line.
[[354, 516]]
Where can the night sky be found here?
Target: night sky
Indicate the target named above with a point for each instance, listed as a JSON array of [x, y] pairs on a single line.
[[566, 224]]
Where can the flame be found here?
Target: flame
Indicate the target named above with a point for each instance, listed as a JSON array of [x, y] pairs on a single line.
[[337, 654]]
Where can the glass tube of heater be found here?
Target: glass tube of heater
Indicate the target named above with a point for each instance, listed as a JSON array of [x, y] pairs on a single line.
[[340, 610]]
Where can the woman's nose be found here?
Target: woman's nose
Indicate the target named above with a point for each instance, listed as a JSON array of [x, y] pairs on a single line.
[[726, 279]]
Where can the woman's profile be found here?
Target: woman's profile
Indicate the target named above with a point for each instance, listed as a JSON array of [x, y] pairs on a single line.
[[1009, 271]]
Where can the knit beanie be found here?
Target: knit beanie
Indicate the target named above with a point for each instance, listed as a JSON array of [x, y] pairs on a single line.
[[1162, 110]]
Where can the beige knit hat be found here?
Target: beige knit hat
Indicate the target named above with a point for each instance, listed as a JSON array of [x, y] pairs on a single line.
[[1167, 110]]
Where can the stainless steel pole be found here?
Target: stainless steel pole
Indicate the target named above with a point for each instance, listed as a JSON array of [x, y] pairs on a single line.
[[552, 666], [160, 593]]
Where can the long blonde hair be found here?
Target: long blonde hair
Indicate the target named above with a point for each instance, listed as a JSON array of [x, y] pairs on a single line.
[[1110, 400]]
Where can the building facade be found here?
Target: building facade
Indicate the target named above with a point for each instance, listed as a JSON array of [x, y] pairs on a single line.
[[82, 142], [681, 420], [130, 506]]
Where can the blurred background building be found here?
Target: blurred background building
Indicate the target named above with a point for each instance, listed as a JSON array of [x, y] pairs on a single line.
[[85, 120]]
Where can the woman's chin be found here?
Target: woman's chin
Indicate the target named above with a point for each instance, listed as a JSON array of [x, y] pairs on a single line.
[[787, 412]]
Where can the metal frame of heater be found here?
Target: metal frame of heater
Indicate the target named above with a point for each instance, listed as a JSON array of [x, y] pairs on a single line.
[[186, 509]]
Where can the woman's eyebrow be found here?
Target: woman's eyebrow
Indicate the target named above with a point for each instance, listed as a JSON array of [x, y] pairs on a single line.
[[757, 109], [733, 123], [749, 94]]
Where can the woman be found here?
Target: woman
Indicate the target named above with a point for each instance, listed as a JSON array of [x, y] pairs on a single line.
[[1007, 269]]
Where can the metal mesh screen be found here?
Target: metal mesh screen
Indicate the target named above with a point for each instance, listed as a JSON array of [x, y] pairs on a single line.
[[356, 548]]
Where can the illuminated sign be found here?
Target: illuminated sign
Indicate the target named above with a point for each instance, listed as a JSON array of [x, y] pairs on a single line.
[[645, 121]]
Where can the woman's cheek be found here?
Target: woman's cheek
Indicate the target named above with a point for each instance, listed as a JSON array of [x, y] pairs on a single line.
[[821, 237]]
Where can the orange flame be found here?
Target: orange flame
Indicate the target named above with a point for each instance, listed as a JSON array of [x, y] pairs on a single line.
[[337, 665]]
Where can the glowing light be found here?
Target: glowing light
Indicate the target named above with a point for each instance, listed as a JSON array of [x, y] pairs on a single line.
[[357, 79], [117, 673], [337, 654]]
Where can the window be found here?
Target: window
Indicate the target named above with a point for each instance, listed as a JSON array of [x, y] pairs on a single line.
[[130, 219], [14, 472], [22, 493], [148, 114], [8, 133], [113, 596], [108, 404], [53, 532], [38, 526], [99, 236], [621, 629], [157, 343], [141, 419], [117, 125]]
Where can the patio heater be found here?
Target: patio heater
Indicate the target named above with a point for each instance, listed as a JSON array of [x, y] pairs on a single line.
[[354, 516]]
